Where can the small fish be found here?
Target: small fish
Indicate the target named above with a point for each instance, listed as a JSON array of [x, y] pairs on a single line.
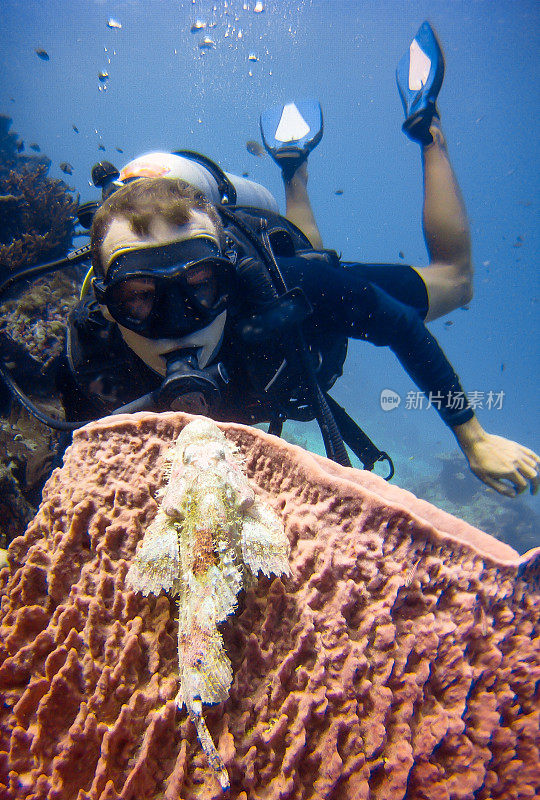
[[66, 167], [464, 308], [401, 254], [448, 323], [75, 128], [42, 54], [35, 147], [198, 25], [503, 367], [101, 147], [245, 174], [112, 23], [481, 619], [118, 149], [20, 146], [409, 575], [339, 192], [207, 44], [255, 148], [103, 76]]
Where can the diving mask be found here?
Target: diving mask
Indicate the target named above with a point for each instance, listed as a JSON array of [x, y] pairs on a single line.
[[165, 291]]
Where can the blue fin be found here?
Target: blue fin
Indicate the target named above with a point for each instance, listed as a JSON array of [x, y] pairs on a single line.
[[419, 78], [291, 131]]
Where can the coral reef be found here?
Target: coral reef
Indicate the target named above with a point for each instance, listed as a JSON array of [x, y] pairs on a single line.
[[36, 225], [33, 324], [399, 660], [36, 212], [15, 511], [26, 448]]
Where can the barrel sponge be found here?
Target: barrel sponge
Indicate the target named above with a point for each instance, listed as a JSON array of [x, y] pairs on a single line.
[[398, 660]]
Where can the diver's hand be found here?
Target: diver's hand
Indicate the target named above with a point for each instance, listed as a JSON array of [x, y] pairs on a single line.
[[503, 465]]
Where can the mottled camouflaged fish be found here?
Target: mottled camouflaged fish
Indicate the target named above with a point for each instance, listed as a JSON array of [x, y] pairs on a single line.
[[210, 536]]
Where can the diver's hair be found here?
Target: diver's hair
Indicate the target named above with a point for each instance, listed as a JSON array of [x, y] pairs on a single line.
[[144, 199]]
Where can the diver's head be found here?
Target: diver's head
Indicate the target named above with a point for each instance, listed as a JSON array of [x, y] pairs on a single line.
[[145, 203], [160, 274]]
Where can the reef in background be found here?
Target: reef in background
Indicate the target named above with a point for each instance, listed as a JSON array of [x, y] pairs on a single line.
[[456, 490], [37, 215], [36, 212], [27, 448]]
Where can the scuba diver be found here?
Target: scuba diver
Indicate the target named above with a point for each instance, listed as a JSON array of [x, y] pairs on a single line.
[[202, 298]]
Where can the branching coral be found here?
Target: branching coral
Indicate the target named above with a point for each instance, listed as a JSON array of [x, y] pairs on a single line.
[[36, 212]]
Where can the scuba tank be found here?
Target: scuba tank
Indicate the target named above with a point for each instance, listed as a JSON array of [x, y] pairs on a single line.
[[218, 187]]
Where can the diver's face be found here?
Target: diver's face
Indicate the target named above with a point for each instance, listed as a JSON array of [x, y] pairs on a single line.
[[137, 295]]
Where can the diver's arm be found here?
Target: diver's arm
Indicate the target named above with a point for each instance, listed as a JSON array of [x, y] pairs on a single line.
[[298, 206], [500, 463], [344, 303], [387, 322]]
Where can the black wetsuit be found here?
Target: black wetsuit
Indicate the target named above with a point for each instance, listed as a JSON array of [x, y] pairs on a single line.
[[381, 304]]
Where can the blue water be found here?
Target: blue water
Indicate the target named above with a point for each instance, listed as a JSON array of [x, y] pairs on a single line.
[[164, 93]]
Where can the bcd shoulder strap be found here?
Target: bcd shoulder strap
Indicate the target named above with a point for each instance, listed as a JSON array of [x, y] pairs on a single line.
[[286, 239]]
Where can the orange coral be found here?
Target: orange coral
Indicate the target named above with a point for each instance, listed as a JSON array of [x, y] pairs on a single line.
[[398, 661]]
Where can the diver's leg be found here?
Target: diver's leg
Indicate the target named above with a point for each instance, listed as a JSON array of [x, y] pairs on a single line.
[[448, 277], [297, 204], [289, 134]]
